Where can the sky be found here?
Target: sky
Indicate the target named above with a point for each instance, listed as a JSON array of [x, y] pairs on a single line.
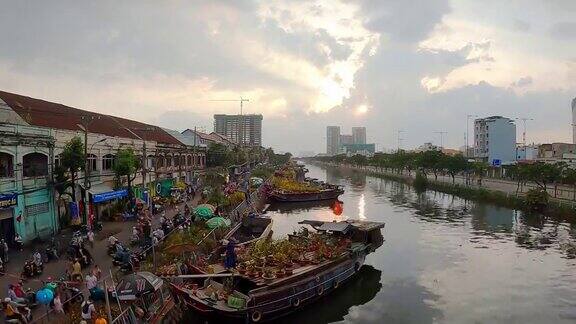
[[418, 66]]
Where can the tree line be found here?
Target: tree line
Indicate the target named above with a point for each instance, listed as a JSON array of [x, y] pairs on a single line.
[[542, 174]]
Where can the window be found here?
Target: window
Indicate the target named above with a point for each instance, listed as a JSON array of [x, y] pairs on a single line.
[[189, 160], [150, 162], [160, 161], [35, 165], [91, 162], [57, 160], [6, 165], [107, 162], [176, 160], [168, 161]]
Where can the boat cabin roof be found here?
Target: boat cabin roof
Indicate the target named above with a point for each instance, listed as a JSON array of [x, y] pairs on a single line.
[[343, 226]]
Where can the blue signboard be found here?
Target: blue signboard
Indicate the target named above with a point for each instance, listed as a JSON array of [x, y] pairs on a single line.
[[496, 162], [8, 200], [105, 196]]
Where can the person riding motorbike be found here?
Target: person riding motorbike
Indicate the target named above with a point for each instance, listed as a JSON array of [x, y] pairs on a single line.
[[37, 259], [15, 311]]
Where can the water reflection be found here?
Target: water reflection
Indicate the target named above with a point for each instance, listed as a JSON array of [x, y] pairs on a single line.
[[359, 291], [361, 207]]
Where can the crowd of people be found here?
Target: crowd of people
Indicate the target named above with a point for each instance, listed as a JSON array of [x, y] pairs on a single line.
[[18, 303]]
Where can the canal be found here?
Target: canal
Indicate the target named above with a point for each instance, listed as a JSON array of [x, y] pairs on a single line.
[[445, 260]]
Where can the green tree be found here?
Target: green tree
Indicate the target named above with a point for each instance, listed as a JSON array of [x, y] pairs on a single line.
[[126, 165], [430, 161], [359, 160], [453, 165], [73, 160], [543, 173], [479, 169], [217, 155], [569, 178]]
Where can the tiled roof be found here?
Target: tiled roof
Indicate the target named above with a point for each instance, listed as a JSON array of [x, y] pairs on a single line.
[[43, 113]]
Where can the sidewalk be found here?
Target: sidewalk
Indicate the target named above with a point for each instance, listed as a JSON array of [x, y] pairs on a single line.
[[55, 269]]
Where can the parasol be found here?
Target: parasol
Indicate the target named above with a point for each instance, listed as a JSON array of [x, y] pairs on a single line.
[[207, 206], [218, 222], [255, 181], [203, 212], [137, 284]]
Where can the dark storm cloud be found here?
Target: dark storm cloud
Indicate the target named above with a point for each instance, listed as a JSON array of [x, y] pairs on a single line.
[[404, 21]]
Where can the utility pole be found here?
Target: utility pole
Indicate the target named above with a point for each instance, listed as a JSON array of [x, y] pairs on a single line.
[[441, 138], [85, 121], [467, 128], [523, 119]]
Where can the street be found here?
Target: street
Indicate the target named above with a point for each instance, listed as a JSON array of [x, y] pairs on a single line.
[[55, 269]]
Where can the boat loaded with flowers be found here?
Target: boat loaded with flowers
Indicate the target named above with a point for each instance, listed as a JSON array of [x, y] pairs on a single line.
[[275, 278], [289, 185]]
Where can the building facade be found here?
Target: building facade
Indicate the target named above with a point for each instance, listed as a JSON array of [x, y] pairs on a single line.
[[362, 149], [167, 157], [346, 139], [243, 129], [332, 140], [495, 140], [26, 194], [359, 135]]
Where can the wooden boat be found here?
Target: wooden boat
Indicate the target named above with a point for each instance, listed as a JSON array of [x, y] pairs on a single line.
[[328, 192], [250, 230], [254, 300]]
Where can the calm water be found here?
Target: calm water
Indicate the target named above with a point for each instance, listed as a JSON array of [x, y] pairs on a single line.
[[445, 260]]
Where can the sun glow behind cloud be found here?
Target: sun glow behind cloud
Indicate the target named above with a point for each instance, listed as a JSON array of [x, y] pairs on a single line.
[[332, 82]]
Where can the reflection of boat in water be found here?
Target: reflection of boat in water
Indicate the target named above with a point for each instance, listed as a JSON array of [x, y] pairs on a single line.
[[258, 299], [358, 291]]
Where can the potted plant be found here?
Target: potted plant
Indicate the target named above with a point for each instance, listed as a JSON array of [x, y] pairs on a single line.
[[268, 274]]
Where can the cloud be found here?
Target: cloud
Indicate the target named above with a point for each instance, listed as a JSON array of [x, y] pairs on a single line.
[[522, 82], [404, 21], [521, 25], [564, 30], [390, 64]]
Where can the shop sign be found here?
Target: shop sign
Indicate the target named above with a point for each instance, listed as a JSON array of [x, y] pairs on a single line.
[[8, 200], [105, 196]]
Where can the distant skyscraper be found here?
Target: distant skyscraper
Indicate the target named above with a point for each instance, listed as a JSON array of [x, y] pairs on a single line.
[[346, 139], [359, 135], [332, 140], [574, 121], [244, 129]]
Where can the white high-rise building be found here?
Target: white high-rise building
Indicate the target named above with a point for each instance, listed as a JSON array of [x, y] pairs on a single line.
[[495, 140], [574, 121], [359, 135]]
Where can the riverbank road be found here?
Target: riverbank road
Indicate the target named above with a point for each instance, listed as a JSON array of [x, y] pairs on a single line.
[[55, 269]]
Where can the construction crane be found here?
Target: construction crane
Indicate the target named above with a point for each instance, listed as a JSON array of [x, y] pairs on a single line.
[[240, 124], [524, 120]]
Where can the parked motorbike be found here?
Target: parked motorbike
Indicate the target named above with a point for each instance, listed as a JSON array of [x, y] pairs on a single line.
[[25, 311], [131, 265]]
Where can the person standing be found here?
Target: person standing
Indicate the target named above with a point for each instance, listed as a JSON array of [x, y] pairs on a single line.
[[4, 251], [88, 309], [18, 241], [58, 307], [91, 239]]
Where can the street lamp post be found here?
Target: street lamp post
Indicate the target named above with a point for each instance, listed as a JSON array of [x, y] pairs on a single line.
[[467, 131]]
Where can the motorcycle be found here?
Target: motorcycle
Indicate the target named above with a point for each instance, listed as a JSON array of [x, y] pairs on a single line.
[[26, 313], [32, 269], [134, 240], [130, 266]]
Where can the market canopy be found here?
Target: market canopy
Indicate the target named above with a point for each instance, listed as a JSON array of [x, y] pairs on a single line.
[[203, 212], [137, 284], [217, 222], [207, 206]]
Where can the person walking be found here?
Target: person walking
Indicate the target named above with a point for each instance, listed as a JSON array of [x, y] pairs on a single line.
[[88, 310]]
